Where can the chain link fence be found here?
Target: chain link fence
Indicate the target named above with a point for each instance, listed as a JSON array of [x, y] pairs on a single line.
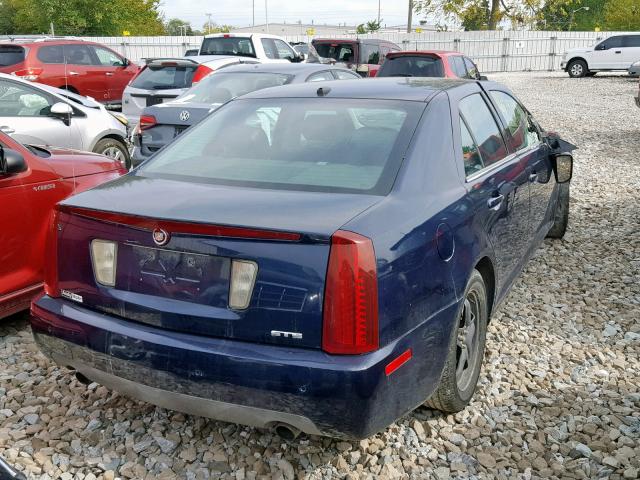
[[493, 51]]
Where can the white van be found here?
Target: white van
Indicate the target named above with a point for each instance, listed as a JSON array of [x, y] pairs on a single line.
[[262, 46], [614, 53]]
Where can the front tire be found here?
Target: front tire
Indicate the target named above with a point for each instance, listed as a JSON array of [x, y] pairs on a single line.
[[577, 68], [466, 351], [112, 148], [561, 216]]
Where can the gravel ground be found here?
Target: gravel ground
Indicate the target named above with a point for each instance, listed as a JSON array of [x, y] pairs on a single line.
[[559, 393]]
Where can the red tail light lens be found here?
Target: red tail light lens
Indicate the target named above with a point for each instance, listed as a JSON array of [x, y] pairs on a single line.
[[350, 321], [51, 257], [201, 72], [30, 74], [147, 121]]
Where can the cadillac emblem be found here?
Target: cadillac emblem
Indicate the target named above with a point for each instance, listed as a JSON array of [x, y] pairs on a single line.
[[160, 237], [184, 115]]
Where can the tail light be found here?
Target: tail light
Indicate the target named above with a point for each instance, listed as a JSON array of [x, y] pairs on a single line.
[[350, 322], [51, 257], [104, 254], [243, 277], [146, 121], [201, 72], [30, 74]]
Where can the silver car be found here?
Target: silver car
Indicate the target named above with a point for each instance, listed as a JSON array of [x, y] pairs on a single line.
[[41, 115], [163, 79]]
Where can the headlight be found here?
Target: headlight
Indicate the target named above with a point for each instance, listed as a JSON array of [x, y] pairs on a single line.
[[104, 254], [243, 276], [121, 118]]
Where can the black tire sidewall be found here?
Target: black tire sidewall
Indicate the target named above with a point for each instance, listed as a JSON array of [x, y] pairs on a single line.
[[105, 143]]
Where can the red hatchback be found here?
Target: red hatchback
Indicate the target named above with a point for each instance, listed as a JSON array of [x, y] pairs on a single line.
[[32, 181], [429, 63], [87, 68]]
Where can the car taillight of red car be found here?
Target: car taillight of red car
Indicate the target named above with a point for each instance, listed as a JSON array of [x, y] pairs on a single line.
[[31, 74]]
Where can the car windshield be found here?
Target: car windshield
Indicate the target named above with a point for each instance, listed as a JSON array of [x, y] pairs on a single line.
[[165, 77], [412, 66], [10, 55], [310, 144], [228, 46], [340, 52], [223, 86]]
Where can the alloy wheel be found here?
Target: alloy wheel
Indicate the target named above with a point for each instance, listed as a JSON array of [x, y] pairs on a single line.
[[576, 70], [115, 153], [467, 342]]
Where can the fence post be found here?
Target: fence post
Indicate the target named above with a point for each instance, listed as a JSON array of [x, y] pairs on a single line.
[[456, 44], [552, 54], [505, 53]]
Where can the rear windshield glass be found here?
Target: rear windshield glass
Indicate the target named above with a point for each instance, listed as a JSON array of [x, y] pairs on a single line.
[[228, 46], [10, 55], [412, 66], [340, 52], [164, 77], [331, 145], [222, 87]]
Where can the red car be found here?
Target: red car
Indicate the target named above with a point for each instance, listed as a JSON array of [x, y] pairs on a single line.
[[429, 63], [362, 55], [87, 68], [32, 181]]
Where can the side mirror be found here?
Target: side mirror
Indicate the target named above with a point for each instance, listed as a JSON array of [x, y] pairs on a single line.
[[11, 162], [602, 46], [63, 111], [563, 167]]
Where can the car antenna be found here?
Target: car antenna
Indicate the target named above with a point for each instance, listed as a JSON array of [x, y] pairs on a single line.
[[323, 91]]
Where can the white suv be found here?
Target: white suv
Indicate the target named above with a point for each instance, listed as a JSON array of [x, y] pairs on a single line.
[[614, 53], [266, 48]]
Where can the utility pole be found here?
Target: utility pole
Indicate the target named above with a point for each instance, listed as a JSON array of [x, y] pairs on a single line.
[[209, 22], [410, 17], [378, 12], [266, 15], [253, 13]]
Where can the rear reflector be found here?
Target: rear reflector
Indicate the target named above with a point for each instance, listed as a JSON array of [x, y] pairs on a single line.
[[175, 227], [201, 72], [51, 257], [243, 277], [146, 121], [350, 320], [398, 362]]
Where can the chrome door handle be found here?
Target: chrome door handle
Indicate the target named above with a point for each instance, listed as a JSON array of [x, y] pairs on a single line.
[[533, 177], [73, 73], [7, 130], [495, 202], [109, 74]]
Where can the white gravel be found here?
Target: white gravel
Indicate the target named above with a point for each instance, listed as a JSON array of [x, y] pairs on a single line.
[[559, 393]]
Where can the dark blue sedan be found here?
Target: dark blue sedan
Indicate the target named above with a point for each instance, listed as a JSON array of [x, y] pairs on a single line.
[[316, 257]]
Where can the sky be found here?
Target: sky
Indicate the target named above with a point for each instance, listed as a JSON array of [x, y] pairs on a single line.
[[239, 12]]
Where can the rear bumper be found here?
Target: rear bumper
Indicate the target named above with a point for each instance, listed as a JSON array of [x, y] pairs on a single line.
[[239, 382]]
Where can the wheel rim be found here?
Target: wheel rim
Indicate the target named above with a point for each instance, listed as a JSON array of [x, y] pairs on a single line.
[[576, 69], [115, 153], [467, 344]]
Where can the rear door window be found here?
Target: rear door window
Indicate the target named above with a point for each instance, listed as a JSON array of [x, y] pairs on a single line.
[[370, 54], [11, 54], [165, 77], [50, 54], [521, 133], [75, 54], [340, 52], [484, 129], [412, 66], [632, 41], [470, 152]]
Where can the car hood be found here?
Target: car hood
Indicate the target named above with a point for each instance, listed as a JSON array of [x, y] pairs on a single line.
[[314, 213], [172, 112], [72, 163]]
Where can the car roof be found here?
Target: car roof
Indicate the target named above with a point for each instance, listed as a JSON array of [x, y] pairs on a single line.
[[286, 68], [45, 41], [437, 53], [391, 88]]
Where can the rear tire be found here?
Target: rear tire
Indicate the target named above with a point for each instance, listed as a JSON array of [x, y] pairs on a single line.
[[561, 216], [577, 68], [112, 148], [461, 371]]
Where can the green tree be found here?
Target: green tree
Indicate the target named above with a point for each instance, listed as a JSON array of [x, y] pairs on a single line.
[[87, 17], [361, 29], [374, 25], [581, 15], [622, 15], [176, 26]]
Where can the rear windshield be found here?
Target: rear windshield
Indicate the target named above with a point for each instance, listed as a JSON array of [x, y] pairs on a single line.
[[11, 54], [412, 66], [339, 51], [222, 87], [164, 77], [309, 144], [228, 46]]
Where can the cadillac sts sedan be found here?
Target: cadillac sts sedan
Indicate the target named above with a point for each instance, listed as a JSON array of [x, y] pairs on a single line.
[[317, 257]]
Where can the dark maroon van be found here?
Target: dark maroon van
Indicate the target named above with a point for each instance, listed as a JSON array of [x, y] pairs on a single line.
[[362, 55]]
